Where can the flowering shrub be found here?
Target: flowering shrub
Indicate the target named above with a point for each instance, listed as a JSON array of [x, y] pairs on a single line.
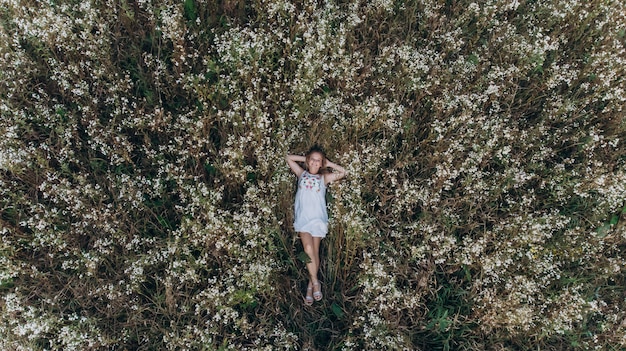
[[145, 202]]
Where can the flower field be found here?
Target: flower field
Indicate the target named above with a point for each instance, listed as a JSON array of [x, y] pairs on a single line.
[[146, 203]]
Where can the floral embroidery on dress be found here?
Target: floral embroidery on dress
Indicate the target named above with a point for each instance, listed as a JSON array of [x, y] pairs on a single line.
[[311, 182]]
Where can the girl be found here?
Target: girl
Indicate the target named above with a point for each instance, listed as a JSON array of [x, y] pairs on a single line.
[[311, 217]]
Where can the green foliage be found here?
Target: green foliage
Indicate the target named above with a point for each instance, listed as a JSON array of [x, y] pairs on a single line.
[[190, 10]]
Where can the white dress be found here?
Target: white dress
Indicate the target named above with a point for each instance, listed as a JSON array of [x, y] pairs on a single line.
[[310, 212]]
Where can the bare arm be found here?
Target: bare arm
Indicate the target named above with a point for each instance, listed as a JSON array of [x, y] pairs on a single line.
[[339, 173], [292, 161]]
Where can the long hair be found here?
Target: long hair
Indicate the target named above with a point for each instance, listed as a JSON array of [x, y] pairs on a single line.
[[317, 149]]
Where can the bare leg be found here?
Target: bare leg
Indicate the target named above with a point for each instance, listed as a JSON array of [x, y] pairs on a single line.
[[317, 289], [308, 299], [311, 246], [312, 250], [316, 250]]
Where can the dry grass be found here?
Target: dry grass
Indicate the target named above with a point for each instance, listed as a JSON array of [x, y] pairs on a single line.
[[145, 202]]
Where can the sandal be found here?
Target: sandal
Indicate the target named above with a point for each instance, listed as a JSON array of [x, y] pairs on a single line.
[[317, 295], [308, 300]]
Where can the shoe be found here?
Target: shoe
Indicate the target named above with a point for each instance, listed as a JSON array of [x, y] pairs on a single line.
[[308, 300], [317, 291]]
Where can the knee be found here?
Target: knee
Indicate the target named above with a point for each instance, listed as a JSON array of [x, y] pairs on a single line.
[[308, 248]]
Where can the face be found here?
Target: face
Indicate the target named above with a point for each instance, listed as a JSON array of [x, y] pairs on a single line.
[[315, 162]]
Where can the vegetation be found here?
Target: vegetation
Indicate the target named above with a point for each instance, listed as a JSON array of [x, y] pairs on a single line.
[[146, 204]]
